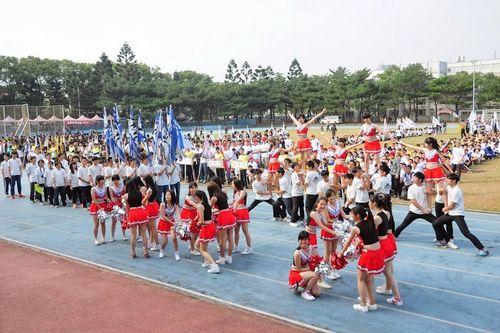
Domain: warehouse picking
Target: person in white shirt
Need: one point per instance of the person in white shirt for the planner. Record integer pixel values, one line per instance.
(4, 166)
(361, 183)
(84, 182)
(49, 184)
(31, 173)
(419, 206)
(350, 193)
(283, 204)
(95, 170)
(74, 184)
(311, 186)
(262, 193)
(144, 169)
(15, 166)
(131, 169)
(108, 172)
(59, 180)
(297, 196)
(162, 179)
(40, 179)
(325, 183)
(381, 181)
(457, 158)
(454, 211)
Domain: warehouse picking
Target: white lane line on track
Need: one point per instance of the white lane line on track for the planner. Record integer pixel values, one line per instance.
(174, 287)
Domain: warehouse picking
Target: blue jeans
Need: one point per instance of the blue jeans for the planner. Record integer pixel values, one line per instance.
(177, 189)
(6, 184)
(13, 180)
(203, 172)
(162, 189)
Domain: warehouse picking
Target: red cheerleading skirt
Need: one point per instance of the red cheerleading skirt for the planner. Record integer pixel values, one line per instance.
(326, 235)
(295, 280)
(242, 215)
(372, 147)
(118, 203)
(187, 215)
(215, 215)
(313, 240)
(137, 216)
(226, 219)
(164, 226)
(153, 210)
(340, 169)
(273, 167)
(392, 239)
(207, 233)
(304, 145)
(371, 261)
(434, 174)
(194, 228)
(93, 209)
(387, 249)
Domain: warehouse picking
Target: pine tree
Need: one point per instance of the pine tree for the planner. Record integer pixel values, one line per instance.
(127, 66)
(295, 71)
(246, 72)
(232, 73)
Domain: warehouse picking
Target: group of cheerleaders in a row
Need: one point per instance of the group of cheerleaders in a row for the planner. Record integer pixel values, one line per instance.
(207, 219)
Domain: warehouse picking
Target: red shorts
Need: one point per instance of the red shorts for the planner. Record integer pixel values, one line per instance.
(153, 210)
(340, 169)
(434, 174)
(93, 209)
(187, 215)
(387, 249)
(372, 147)
(295, 280)
(226, 219)
(273, 167)
(304, 145)
(164, 226)
(242, 215)
(326, 235)
(371, 261)
(137, 216)
(313, 240)
(207, 233)
(392, 239)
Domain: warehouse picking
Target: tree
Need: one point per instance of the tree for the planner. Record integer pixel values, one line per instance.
(232, 72)
(126, 66)
(295, 71)
(437, 90)
(246, 72)
(459, 89)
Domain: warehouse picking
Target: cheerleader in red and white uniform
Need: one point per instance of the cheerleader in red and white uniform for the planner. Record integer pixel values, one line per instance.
(188, 216)
(301, 275)
(116, 191)
(153, 209)
(371, 261)
(335, 213)
(137, 216)
(207, 232)
(372, 143)
(274, 163)
(169, 212)
(100, 201)
(340, 153)
(242, 217)
(304, 145)
(381, 214)
(225, 223)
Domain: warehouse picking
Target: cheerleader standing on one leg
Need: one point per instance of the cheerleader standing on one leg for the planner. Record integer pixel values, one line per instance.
(116, 191)
(300, 275)
(225, 224)
(274, 163)
(137, 216)
(335, 212)
(242, 217)
(207, 232)
(372, 143)
(371, 261)
(381, 214)
(141, 188)
(169, 211)
(99, 196)
(152, 208)
(304, 146)
(188, 216)
(340, 168)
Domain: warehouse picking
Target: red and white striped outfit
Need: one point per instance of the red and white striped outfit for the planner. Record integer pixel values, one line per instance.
(433, 171)
(372, 143)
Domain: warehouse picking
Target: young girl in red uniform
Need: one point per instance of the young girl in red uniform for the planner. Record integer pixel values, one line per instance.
(340, 153)
(207, 232)
(225, 224)
(335, 213)
(169, 212)
(300, 275)
(240, 210)
(152, 208)
(303, 144)
(116, 191)
(381, 215)
(371, 261)
(137, 216)
(372, 143)
(188, 216)
(99, 196)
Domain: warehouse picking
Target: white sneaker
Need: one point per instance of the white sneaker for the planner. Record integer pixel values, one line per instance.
(333, 275)
(274, 219)
(139, 240)
(214, 269)
(161, 255)
(112, 239)
(293, 224)
(360, 308)
(205, 264)
(220, 261)
(393, 300)
(247, 251)
(96, 242)
(195, 252)
(155, 248)
(103, 240)
(177, 256)
(124, 238)
(236, 250)
(382, 291)
(372, 307)
(452, 245)
(285, 219)
(307, 296)
(228, 259)
(218, 248)
(324, 285)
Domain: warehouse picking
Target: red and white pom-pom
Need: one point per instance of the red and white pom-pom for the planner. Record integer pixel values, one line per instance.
(314, 261)
(338, 263)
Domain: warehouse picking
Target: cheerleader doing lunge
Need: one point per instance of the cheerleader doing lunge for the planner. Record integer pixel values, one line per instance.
(188, 216)
(207, 232)
(304, 146)
(137, 216)
(116, 192)
(100, 199)
(152, 208)
(225, 223)
(380, 211)
(371, 261)
(301, 275)
(335, 213)
(371, 141)
(240, 210)
(169, 212)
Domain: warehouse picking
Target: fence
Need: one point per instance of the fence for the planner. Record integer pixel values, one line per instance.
(29, 120)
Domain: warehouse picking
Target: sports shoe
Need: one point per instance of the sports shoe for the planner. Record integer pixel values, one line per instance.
(214, 269)
(220, 261)
(177, 256)
(195, 252)
(205, 264)
(103, 241)
(228, 259)
(124, 238)
(441, 245)
(274, 219)
(293, 224)
(333, 275)
(372, 307)
(246, 251)
(382, 291)
(139, 240)
(96, 242)
(21, 196)
(307, 296)
(360, 308)
(155, 248)
(236, 250)
(161, 255)
(395, 301)
(452, 245)
(483, 253)
(285, 219)
(112, 239)
(324, 285)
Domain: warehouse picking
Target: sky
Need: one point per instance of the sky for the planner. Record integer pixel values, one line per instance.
(204, 35)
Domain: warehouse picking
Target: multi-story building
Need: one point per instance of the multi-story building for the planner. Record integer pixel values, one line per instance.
(478, 66)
